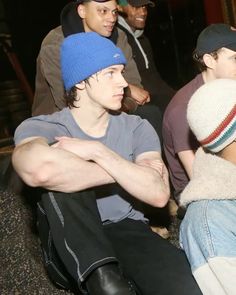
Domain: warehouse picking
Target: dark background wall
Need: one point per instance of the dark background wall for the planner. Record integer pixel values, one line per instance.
(173, 26)
(29, 22)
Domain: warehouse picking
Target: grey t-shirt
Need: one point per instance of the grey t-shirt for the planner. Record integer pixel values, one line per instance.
(127, 135)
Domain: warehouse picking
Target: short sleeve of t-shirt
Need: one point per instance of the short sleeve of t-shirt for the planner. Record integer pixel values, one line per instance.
(176, 131)
(47, 126)
(130, 136)
(182, 137)
(145, 138)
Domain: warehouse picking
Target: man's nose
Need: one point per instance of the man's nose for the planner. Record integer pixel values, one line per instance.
(123, 82)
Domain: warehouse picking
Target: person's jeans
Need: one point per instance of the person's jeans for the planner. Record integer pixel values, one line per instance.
(208, 236)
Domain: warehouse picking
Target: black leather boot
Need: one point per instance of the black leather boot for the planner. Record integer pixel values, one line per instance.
(108, 280)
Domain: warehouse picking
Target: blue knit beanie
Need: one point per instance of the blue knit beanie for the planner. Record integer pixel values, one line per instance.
(85, 54)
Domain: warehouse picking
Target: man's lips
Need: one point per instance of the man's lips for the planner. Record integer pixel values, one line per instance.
(140, 19)
(109, 28)
(119, 95)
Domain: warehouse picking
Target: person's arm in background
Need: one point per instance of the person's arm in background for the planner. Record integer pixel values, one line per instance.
(184, 142)
(49, 89)
(187, 158)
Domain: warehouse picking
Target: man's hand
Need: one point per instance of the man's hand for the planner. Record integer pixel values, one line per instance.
(140, 95)
(156, 164)
(80, 147)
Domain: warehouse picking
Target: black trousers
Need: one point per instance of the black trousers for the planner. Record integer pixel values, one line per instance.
(83, 244)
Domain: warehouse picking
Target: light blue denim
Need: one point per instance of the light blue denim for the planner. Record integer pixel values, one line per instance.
(209, 230)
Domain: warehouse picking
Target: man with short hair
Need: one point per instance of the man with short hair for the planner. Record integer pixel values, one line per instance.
(82, 16)
(102, 161)
(132, 20)
(215, 55)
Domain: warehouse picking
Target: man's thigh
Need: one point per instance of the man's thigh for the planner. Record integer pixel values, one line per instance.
(156, 266)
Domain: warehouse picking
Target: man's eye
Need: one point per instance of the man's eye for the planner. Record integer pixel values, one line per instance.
(110, 74)
(102, 11)
(115, 12)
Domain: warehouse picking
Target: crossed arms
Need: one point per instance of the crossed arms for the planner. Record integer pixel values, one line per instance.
(73, 164)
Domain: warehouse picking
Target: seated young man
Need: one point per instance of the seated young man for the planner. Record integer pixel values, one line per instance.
(102, 162)
(132, 19)
(208, 231)
(215, 55)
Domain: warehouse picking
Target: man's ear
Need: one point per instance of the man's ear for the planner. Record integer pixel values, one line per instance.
(81, 85)
(209, 60)
(81, 11)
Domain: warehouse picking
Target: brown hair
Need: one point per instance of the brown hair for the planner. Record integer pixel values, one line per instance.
(198, 59)
(71, 95)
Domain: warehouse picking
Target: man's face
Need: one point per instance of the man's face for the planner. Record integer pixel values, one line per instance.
(135, 16)
(225, 64)
(99, 17)
(106, 88)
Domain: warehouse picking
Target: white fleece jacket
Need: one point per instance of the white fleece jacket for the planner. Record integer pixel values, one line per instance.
(213, 178)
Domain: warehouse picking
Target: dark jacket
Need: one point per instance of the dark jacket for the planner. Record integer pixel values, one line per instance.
(159, 90)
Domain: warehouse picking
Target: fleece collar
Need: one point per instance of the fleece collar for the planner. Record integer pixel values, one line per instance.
(213, 178)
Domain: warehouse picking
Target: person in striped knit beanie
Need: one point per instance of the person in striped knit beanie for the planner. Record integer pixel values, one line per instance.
(208, 230)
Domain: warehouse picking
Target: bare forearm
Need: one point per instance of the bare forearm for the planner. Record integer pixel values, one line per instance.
(74, 165)
(56, 169)
(187, 158)
(142, 182)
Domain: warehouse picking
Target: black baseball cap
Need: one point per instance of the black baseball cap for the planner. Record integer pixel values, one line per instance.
(215, 37)
(82, 1)
(136, 3)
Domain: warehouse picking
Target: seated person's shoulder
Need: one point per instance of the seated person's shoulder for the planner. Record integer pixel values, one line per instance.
(55, 36)
(132, 119)
(120, 32)
(50, 47)
(178, 104)
(175, 111)
(133, 124)
(121, 37)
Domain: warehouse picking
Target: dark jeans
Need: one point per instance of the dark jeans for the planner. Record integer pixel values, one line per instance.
(83, 244)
